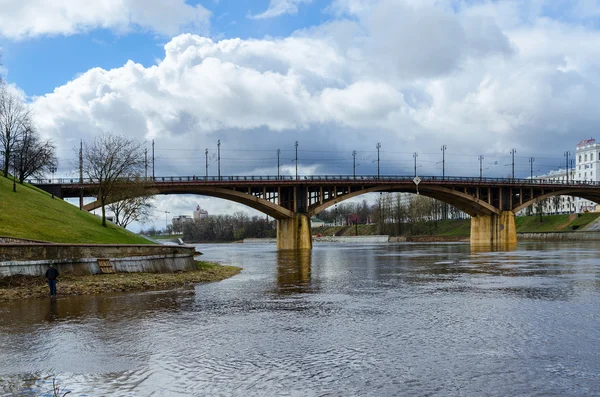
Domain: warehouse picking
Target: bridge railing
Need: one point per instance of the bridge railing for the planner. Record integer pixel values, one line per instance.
(321, 178)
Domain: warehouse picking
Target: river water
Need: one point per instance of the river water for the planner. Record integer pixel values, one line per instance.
(343, 320)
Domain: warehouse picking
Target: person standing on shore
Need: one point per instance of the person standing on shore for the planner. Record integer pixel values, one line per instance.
(51, 275)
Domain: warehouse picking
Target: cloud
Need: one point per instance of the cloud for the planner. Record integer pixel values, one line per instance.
(280, 7)
(25, 19)
(410, 75)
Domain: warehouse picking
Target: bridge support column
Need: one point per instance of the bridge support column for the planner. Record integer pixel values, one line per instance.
(294, 233)
(495, 231)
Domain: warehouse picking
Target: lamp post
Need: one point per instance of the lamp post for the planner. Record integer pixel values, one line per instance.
(415, 155)
(531, 161)
(378, 147)
(480, 168)
(206, 159)
(296, 145)
(512, 152)
(278, 154)
(14, 173)
(354, 163)
(153, 160)
(219, 157)
(567, 165)
(443, 161)
(53, 170)
(166, 224)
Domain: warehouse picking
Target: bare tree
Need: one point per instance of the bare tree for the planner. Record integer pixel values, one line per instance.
(32, 156)
(14, 118)
(111, 161)
(131, 202)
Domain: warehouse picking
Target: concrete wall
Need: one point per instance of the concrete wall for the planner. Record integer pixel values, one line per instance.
(560, 236)
(33, 259)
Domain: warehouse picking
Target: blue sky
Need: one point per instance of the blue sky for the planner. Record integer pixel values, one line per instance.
(40, 64)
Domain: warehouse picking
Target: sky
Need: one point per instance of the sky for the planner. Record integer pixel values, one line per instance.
(478, 76)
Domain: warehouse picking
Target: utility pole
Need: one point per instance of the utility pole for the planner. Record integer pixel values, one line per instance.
(81, 175)
(219, 157)
(415, 155)
(531, 161)
(153, 160)
(480, 167)
(53, 170)
(146, 163)
(278, 154)
(567, 165)
(296, 159)
(512, 152)
(354, 162)
(443, 162)
(378, 147)
(206, 156)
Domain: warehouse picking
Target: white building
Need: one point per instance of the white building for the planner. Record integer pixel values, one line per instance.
(587, 168)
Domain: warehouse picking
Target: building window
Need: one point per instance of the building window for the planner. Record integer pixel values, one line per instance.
(586, 157)
(591, 156)
(580, 158)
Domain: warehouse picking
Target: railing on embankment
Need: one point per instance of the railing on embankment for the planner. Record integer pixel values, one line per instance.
(560, 236)
(33, 258)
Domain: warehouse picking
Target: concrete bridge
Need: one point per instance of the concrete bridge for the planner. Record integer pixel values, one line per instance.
(491, 202)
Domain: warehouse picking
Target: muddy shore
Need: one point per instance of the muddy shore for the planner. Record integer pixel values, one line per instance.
(24, 287)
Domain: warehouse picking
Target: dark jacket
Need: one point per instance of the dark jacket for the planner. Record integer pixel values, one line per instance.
(51, 274)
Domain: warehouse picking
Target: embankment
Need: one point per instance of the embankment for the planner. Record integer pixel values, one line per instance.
(33, 258)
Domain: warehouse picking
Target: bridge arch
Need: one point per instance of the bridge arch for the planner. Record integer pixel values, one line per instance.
(257, 203)
(587, 195)
(461, 201)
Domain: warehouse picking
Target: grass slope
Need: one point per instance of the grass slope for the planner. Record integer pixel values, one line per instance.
(31, 213)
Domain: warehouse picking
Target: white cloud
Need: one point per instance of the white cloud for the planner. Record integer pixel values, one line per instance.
(280, 7)
(412, 75)
(22, 19)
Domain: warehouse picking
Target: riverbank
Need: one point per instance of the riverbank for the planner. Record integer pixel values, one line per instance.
(24, 287)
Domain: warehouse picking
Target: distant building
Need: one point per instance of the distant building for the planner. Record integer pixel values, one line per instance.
(180, 221)
(200, 214)
(316, 222)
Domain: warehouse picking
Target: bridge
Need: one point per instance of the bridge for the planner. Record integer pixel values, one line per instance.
(491, 202)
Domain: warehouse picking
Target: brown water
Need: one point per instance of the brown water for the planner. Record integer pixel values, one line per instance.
(344, 320)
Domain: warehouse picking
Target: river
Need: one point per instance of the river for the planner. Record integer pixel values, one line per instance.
(342, 320)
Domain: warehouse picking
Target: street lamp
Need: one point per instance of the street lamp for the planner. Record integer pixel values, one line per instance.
(443, 161)
(278, 154)
(166, 224)
(480, 167)
(296, 145)
(206, 157)
(354, 163)
(531, 161)
(219, 157)
(53, 170)
(512, 152)
(567, 165)
(415, 155)
(378, 147)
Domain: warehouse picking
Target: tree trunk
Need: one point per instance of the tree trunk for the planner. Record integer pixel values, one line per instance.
(103, 210)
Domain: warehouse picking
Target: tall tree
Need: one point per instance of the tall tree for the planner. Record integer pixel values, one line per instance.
(14, 119)
(112, 160)
(33, 156)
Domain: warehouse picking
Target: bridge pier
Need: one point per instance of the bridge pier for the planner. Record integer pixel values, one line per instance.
(294, 233)
(494, 231)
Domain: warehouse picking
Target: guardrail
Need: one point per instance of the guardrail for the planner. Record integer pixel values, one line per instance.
(336, 178)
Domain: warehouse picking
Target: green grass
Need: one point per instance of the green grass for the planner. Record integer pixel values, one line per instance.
(553, 223)
(31, 213)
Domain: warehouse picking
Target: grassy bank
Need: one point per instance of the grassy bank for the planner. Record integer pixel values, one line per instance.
(31, 213)
(462, 228)
(23, 287)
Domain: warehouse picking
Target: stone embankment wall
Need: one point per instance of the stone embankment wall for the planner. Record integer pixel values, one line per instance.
(336, 239)
(13, 240)
(559, 236)
(33, 258)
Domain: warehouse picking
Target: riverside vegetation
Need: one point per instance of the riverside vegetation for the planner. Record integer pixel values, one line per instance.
(22, 287)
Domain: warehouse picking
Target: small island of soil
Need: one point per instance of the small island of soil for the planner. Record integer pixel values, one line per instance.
(23, 287)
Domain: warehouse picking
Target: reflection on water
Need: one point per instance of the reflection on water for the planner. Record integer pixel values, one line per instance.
(293, 272)
(368, 320)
